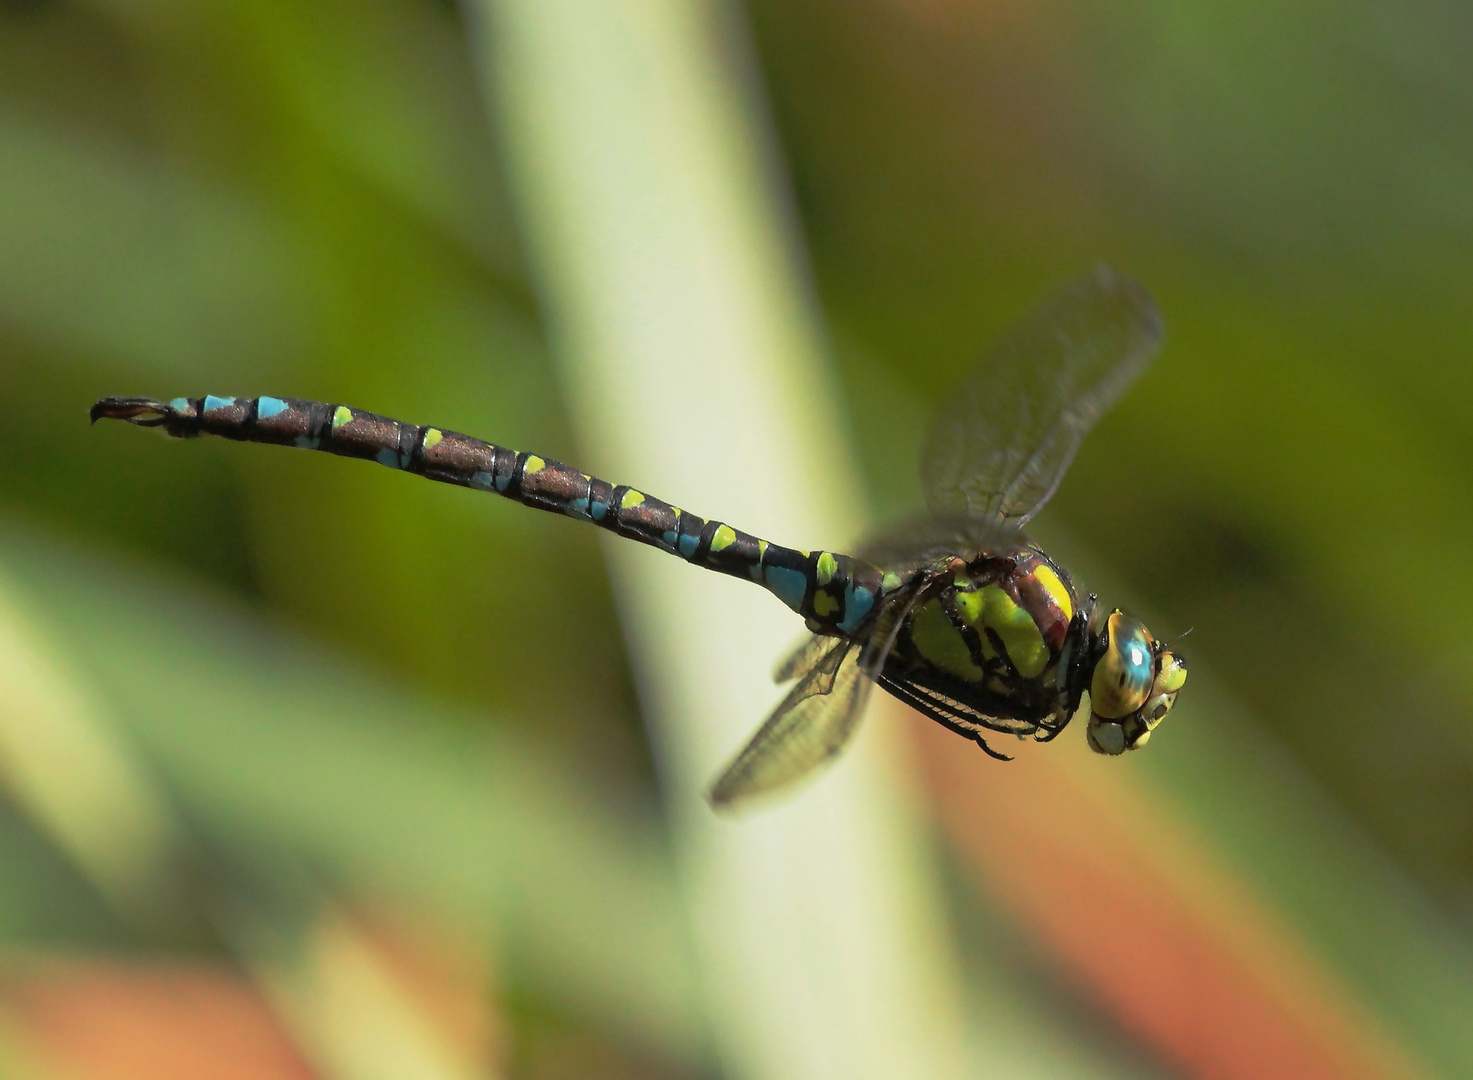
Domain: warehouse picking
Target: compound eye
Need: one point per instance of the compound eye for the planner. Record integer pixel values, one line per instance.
(1169, 680)
(1173, 673)
(1123, 676)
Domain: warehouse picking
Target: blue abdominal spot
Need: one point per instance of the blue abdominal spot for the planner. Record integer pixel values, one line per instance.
(267, 407)
(789, 586)
(858, 601)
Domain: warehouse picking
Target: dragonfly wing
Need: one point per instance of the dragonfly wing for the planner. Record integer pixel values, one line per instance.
(803, 658)
(921, 542)
(1002, 442)
(811, 725)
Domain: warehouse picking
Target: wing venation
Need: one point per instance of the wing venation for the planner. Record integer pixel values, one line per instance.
(1003, 441)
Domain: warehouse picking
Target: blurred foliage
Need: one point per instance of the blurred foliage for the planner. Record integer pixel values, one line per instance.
(311, 683)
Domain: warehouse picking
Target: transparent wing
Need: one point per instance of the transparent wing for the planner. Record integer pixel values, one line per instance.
(811, 725)
(1002, 442)
(921, 542)
(821, 712)
(803, 658)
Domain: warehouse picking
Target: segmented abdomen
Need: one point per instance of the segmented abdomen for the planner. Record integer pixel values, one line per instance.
(835, 593)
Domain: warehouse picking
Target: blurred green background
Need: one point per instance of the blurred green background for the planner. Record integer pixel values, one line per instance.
(314, 770)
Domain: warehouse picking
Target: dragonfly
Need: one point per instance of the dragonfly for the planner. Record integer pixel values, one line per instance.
(956, 613)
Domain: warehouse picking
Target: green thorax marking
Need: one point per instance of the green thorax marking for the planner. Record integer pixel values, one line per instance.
(939, 642)
(991, 608)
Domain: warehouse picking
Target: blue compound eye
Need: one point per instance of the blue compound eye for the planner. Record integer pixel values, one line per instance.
(1123, 675)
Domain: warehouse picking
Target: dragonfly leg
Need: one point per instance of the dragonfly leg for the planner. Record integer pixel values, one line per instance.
(1052, 731)
(980, 741)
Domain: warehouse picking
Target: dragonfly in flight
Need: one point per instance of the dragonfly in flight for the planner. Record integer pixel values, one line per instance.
(957, 613)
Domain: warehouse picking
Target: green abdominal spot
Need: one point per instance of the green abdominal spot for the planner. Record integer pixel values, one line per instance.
(938, 640)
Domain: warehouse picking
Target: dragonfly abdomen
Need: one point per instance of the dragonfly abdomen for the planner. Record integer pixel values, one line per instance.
(835, 593)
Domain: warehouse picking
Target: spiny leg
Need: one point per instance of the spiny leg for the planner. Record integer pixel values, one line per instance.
(977, 738)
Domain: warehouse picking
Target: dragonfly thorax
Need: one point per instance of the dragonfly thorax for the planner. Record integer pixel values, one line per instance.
(1006, 643)
(1000, 642)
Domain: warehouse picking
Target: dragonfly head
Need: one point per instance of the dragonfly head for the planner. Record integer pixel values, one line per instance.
(1133, 686)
